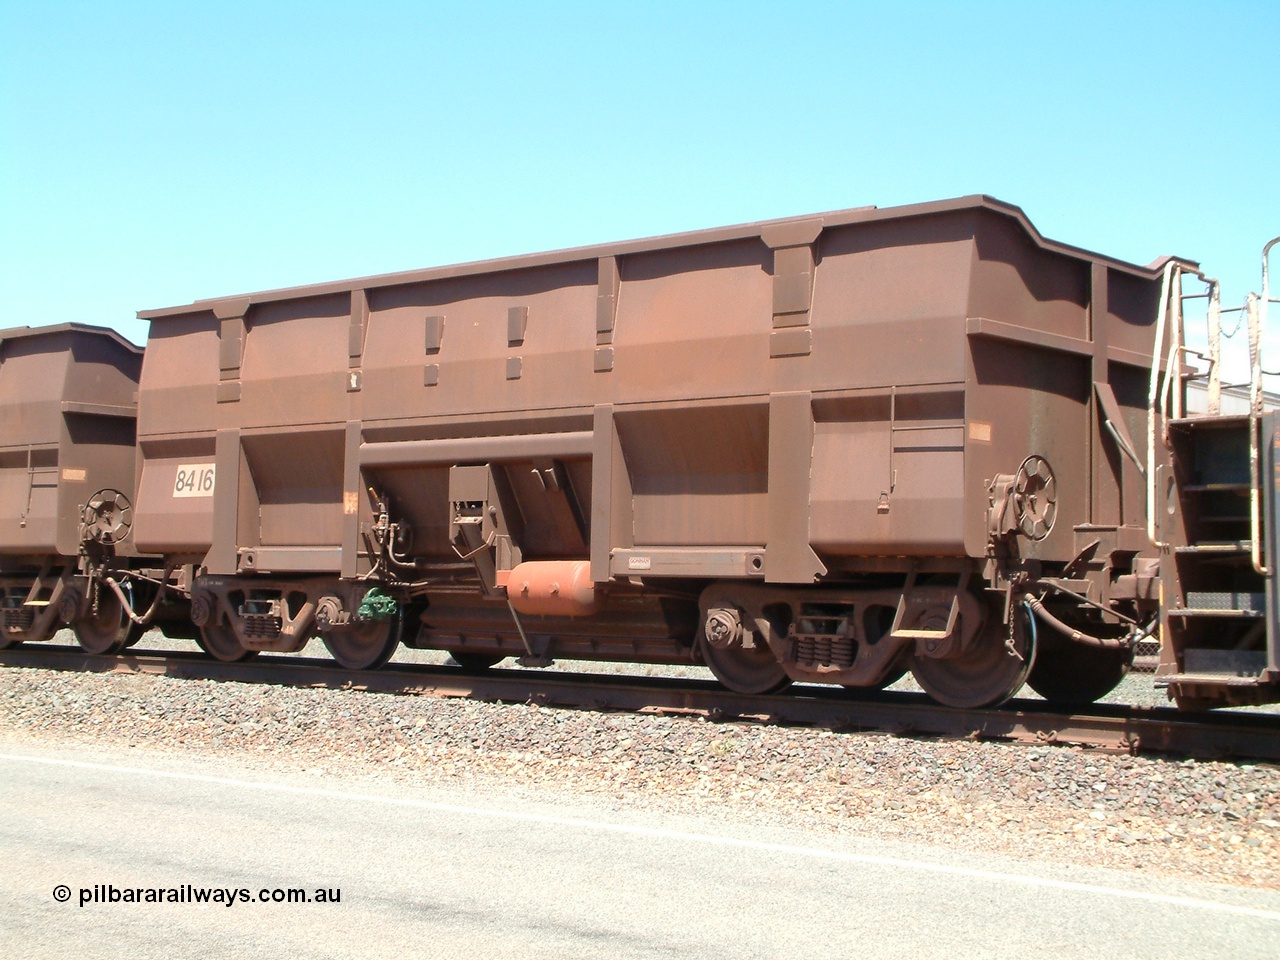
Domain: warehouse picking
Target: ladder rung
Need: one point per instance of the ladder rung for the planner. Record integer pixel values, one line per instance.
(1220, 546)
(1218, 422)
(1227, 599)
(1218, 679)
(1214, 612)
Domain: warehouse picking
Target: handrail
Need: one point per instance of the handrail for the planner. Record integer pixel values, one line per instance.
(1172, 274)
(1215, 349)
(1266, 279)
(1165, 400)
(1173, 363)
(1257, 314)
(1255, 416)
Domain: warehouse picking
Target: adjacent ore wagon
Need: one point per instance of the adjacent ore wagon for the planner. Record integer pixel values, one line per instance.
(68, 397)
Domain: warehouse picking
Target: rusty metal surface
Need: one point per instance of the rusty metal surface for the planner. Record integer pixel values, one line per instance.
(874, 437)
(815, 401)
(898, 357)
(67, 411)
(1110, 727)
(780, 233)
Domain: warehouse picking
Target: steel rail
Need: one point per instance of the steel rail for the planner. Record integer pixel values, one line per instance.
(1129, 729)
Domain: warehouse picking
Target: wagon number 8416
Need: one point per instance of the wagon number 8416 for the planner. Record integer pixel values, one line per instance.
(194, 480)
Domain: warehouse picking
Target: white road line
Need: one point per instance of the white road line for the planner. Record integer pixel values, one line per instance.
(677, 835)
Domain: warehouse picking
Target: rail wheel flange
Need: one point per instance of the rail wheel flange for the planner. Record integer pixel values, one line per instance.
(988, 671)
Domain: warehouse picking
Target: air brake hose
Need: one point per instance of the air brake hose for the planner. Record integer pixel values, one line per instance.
(128, 606)
(1075, 636)
(1031, 625)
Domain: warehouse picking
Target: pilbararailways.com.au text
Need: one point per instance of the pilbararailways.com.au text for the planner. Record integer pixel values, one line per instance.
(106, 893)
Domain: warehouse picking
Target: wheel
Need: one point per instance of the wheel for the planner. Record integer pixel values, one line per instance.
(901, 663)
(141, 597)
(750, 670)
(985, 675)
(743, 669)
(1074, 674)
(220, 643)
(476, 662)
(179, 630)
(25, 635)
(363, 646)
(894, 675)
(1195, 704)
(136, 632)
(9, 642)
(105, 630)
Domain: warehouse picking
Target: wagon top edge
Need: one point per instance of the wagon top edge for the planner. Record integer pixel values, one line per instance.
(780, 232)
(19, 333)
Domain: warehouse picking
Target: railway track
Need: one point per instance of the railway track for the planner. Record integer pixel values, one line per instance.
(1111, 727)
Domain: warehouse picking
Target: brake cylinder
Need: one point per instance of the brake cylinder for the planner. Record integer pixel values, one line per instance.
(552, 588)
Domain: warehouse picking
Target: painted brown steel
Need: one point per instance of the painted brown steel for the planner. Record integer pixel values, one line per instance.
(855, 215)
(475, 449)
(67, 410)
(808, 402)
(831, 417)
(295, 368)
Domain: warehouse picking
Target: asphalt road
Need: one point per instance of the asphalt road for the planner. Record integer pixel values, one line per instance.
(451, 875)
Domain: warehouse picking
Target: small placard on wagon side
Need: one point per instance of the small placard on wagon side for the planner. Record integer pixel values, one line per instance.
(194, 480)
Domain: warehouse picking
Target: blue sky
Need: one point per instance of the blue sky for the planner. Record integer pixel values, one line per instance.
(156, 153)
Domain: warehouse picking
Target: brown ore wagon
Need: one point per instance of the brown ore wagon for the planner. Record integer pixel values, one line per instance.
(68, 402)
(827, 449)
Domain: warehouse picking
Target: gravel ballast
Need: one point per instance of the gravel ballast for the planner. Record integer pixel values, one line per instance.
(1205, 820)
